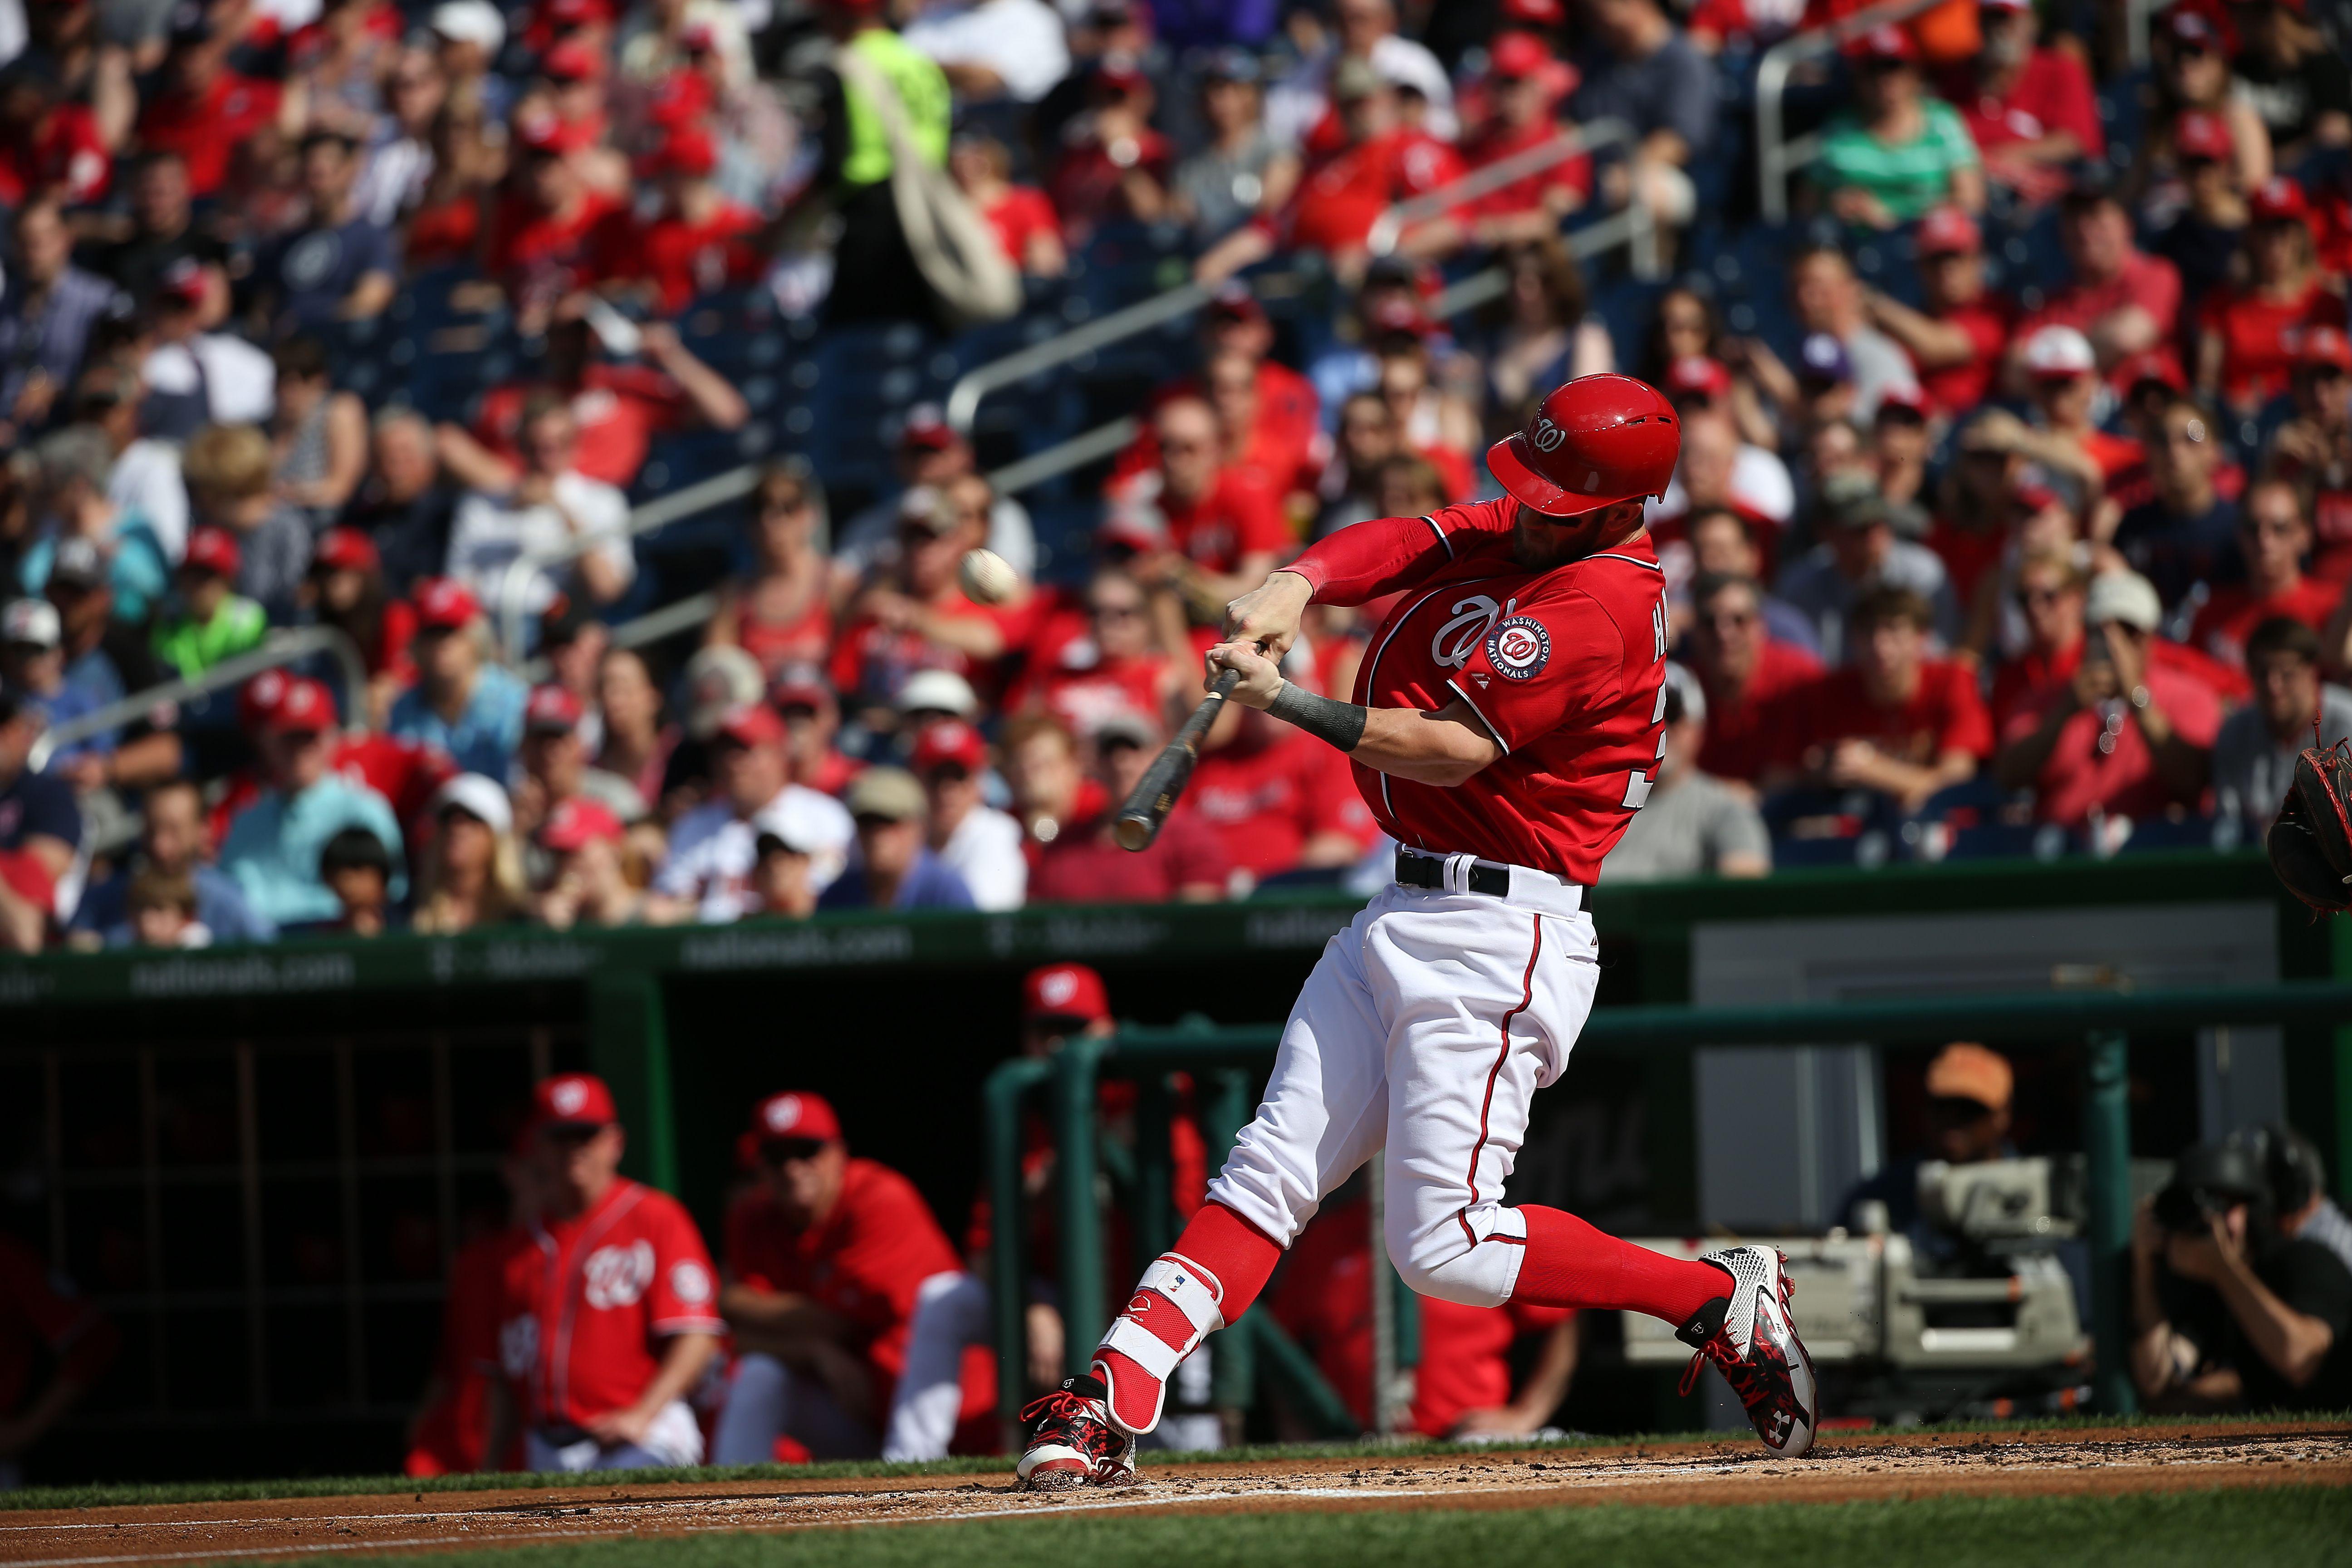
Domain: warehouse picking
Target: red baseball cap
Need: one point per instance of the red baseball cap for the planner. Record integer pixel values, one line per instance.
(1065, 991)
(260, 698)
(1400, 315)
(1534, 13)
(1885, 42)
(213, 549)
(1516, 55)
(801, 685)
(2199, 133)
(681, 99)
(552, 709)
(796, 1113)
(752, 724)
(2191, 27)
(1697, 374)
(2278, 200)
(2325, 346)
(346, 550)
(444, 605)
(927, 429)
(573, 59)
(184, 280)
(304, 706)
(539, 132)
(571, 1099)
(1234, 300)
(1909, 399)
(950, 740)
(1947, 231)
(578, 822)
(2151, 364)
(2033, 499)
(688, 149)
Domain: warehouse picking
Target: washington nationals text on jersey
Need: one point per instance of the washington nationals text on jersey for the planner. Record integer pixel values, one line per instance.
(591, 1300)
(1565, 665)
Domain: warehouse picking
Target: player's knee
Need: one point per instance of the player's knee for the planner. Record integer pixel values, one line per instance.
(1447, 1267)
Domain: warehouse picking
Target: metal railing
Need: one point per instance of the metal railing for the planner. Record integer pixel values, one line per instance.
(1226, 1061)
(287, 646)
(1777, 156)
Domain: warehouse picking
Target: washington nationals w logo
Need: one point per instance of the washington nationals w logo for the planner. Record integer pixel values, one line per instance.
(1457, 638)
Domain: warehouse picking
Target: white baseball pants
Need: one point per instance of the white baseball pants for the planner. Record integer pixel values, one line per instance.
(1426, 1029)
(766, 1399)
(674, 1442)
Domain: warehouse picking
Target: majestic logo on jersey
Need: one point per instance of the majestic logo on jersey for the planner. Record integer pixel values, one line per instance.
(1459, 638)
(1520, 649)
(617, 1276)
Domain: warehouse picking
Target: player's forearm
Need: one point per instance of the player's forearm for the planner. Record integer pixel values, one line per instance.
(1381, 556)
(683, 1362)
(2294, 1343)
(1445, 748)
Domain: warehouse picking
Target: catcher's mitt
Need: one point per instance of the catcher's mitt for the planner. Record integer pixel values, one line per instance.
(2311, 842)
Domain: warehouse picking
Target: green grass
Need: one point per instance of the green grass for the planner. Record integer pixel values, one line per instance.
(137, 1493)
(2287, 1527)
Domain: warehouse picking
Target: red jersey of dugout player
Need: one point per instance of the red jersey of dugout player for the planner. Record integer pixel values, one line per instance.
(609, 1317)
(40, 1319)
(1511, 703)
(826, 1256)
(447, 1435)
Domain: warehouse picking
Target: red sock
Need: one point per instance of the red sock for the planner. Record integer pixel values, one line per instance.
(1236, 1252)
(1218, 1244)
(1570, 1264)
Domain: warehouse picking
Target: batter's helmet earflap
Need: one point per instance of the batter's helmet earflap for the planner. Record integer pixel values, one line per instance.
(1596, 441)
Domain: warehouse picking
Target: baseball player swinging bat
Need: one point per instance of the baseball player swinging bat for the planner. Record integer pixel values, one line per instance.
(1163, 785)
(1506, 722)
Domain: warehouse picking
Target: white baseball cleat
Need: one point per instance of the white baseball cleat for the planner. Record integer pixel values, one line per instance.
(1751, 1339)
(1072, 1443)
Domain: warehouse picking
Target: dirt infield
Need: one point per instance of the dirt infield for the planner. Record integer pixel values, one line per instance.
(1864, 1467)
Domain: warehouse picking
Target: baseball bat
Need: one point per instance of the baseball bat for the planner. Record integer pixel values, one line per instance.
(1162, 783)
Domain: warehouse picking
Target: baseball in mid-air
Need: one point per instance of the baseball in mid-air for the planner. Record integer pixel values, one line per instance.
(986, 576)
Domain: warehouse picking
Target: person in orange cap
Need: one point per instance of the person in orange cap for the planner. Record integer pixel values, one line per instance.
(1968, 1090)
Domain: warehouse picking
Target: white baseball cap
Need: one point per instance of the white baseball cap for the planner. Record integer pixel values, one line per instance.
(33, 621)
(939, 691)
(2125, 596)
(471, 22)
(1694, 696)
(2058, 351)
(479, 797)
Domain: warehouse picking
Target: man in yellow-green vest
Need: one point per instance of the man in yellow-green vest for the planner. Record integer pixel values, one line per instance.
(875, 277)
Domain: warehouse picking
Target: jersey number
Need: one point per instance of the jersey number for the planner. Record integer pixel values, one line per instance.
(1637, 783)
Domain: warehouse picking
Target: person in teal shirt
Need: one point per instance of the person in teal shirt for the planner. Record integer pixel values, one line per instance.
(1898, 151)
(273, 845)
(76, 464)
(462, 703)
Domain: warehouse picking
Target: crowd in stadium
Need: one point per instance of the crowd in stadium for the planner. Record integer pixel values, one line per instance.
(2018, 513)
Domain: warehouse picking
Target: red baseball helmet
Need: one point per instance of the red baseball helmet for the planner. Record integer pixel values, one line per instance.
(1599, 440)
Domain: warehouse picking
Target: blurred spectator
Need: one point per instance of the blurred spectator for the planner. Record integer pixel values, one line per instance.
(162, 906)
(40, 834)
(1301, 107)
(2191, 75)
(716, 682)
(912, 614)
(1208, 528)
(145, 479)
(992, 49)
(812, 715)
(1691, 825)
(108, 657)
(45, 316)
(588, 880)
(202, 110)
(206, 621)
(1543, 331)
(1720, 543)
(556, 528)
(1240, 171)
(1894, 720)
(357, 867)
(2203, 242)
(1637, 67)
(1523, 85)
(2273, 539)
(1111, 164)
(174, 839)
(1970, 1090)
(1276, 802)
(1901, 446)
(782, 882)
(893, 867)
(2030, 110)
(340, 264)
(979, 843)
(396, 155)
(555, 766)
(228, 469)
(319, 435)
(2050, 589)
(1073, 857)
(194, 376)
(714, 848)
(1859, 552)
(1113, 662)
(469, 35)
(2123, 300)
(470, 874)
(1367, 440)
(470, 165)
(1899, 152)
(931, 454)
(2300, 87)
(162, 233)
(1717, 470)
(77, 495)
(2255, 749)
(2186, 534)
(1745, 675)
(462, 704)
(2313, 449)
(779, 611)
(272, 848)
(53, 1331)
(1955, 336)
(33, 670)
(1022, 219)
(1828, 299)
(2248, 335)
(402, 503)
(634, 744)
(347, 591)
(550, 224)
(701, 240)
(2128, 735)
(51, 143)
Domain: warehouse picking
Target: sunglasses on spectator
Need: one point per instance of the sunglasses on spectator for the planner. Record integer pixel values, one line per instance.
(1720, 620)
(1117, 612)
(776, 1152)
(2032, 596)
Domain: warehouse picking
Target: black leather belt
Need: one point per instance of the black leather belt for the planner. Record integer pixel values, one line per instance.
(1425, 871)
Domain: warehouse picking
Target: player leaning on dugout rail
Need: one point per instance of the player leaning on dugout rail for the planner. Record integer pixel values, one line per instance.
(1505, 726)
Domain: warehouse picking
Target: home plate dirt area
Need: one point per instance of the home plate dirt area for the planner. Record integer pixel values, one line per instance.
(1862, 1466)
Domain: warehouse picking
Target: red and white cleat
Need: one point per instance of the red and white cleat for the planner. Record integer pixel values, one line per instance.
(1072, 1443)
(1751, 1339)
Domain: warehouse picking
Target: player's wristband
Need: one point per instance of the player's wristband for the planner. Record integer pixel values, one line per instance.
(1341, 724)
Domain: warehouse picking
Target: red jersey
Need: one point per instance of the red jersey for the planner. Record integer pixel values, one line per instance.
(1572, 177)
(1343, 194)
(1944, 714)
(41, 1321)
(1957, 389)
(2261, 339)
(1018, 217)
(865, 1259)
(2123, 780)
(407, 774)
(1564, 667)
(2052, 94)
(1968, 554)
(1083, 865)
(451, 1435)
(590, 1299)
(533, 251)
(683, 259)
(1742, 736)
(1089, 186)
(619, 408)
(2024, 678)
(205, 128)
(62, 154)
(2230, 616)
(1237, 517)
(1266, 801)
(2148, 281)
(872, 661)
